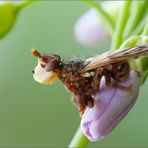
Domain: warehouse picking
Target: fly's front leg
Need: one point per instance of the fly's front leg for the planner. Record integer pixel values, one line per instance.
(81, 104)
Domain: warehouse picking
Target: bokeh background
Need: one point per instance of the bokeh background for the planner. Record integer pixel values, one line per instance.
(35, 115)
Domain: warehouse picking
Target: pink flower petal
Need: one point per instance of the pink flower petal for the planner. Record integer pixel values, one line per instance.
(111, 106)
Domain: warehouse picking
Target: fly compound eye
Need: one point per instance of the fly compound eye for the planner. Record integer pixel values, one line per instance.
(52, 65)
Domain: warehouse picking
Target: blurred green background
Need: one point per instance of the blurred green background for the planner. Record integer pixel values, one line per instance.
(35, 115)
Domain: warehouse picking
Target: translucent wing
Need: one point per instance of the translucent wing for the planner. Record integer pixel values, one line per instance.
(116, 56)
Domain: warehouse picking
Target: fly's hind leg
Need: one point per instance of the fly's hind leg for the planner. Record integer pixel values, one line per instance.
(128, 89)
(116, 86)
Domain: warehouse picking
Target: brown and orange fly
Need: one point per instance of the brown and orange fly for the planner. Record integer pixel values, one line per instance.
(82, 76)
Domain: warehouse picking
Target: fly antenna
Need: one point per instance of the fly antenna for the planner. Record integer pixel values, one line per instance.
(36, 53)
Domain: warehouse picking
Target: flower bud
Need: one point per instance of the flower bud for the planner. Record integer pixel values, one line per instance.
(111, 106)
(90, 28)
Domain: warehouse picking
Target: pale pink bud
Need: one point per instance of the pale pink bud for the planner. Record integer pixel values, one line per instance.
(111, 106)
(90, 29)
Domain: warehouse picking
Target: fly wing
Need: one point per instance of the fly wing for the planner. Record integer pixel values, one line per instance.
(119, 55)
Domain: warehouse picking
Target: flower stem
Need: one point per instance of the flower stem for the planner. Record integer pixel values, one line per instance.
(123, 17)
(138, 30)
(137, 12)
(79, 140)
(145, 31)
(107, 18)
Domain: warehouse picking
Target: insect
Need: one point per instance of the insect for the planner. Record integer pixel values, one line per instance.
(82, 76)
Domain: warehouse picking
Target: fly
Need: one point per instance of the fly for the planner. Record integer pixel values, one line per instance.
(82, 77)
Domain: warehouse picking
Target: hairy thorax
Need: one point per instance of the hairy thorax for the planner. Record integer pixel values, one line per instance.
(71, 76)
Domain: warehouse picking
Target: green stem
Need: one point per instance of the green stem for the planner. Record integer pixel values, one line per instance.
(79, 140)
(140, 27)
(145, 31)
(107, 18)
(144, 60)
(123, 17)
(137, 12)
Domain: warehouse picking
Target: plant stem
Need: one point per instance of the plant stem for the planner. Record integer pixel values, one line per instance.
(79, 140)
(137, 12)
(123, 17)
(107, 18)
(138, 30)
(145, 31)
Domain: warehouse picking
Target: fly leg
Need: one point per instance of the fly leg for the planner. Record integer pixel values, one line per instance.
(97, 77)
(81, 104)
(89, 101)
(115, 86)
(84, 101)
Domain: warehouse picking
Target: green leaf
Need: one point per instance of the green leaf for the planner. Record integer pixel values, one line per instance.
(7, 18)
(144, 63)
(8, 15)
